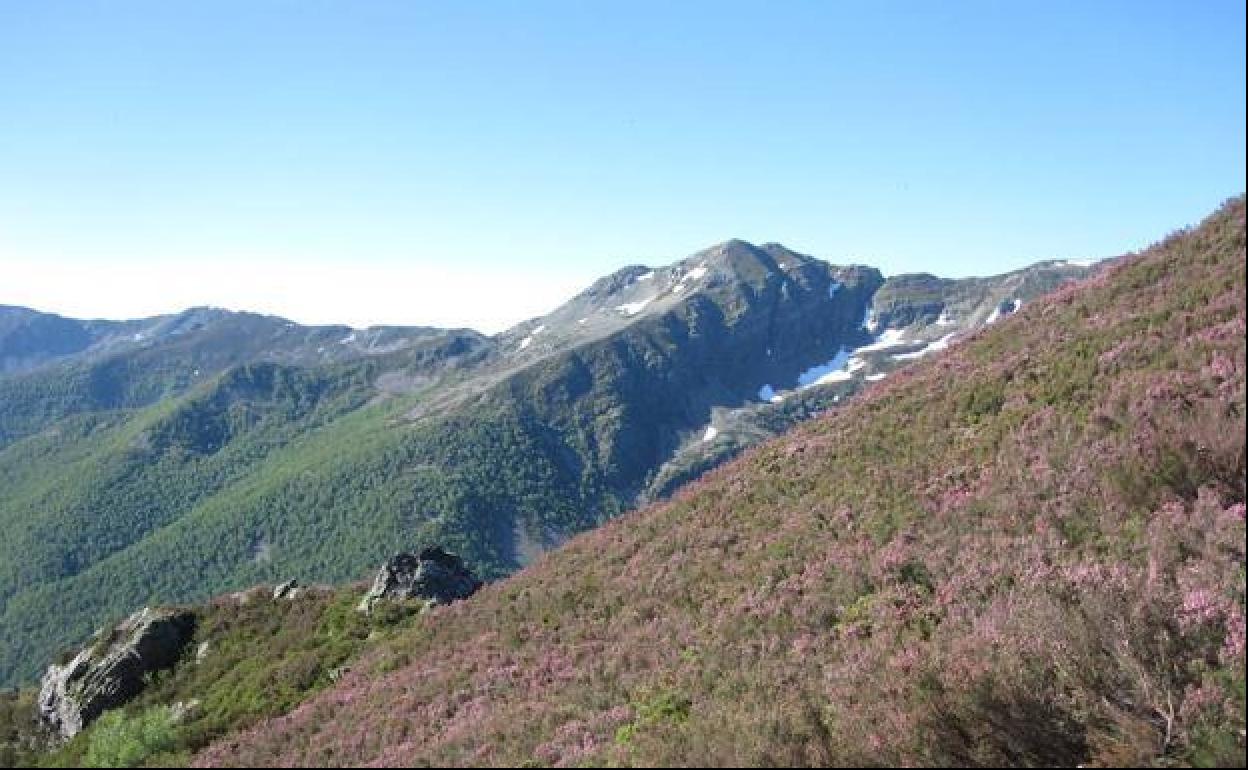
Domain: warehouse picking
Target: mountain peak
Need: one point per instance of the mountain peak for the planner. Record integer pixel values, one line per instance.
(733, 273)
(729, 248)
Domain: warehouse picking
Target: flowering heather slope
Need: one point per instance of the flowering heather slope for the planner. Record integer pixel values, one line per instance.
(1028, 550)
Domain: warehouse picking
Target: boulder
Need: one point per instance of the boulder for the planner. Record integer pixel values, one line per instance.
(287, 590)
(184, 711)
(111, 670)
(432, 575)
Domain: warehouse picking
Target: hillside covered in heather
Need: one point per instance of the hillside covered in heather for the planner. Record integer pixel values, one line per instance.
(1026, 550)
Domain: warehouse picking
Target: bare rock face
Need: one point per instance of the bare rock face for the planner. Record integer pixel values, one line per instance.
(434, 575)
(287, 590)
(109, 672)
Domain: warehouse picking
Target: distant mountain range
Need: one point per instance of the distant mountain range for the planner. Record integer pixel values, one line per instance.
(173, 458)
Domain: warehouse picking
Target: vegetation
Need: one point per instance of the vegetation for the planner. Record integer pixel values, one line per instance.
(22, 737)
(122, 740)
(1028, 550)
(252, 657)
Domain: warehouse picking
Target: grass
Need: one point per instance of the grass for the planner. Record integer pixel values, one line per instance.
(252, 657)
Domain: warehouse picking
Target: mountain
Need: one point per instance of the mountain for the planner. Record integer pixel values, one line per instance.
(909, 317)
(173, 458)
(1027, 548)
(29, 338)
(59, 367)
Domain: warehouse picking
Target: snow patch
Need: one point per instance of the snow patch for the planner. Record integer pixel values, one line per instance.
(693, 275)
(817, 375)
(939, 344)
(1077, 263)
(846, 363)
(711, 433)
(583, 320)
(646, 277)
(633, 308)
(876, 377)
(945, 319)
(840, 375)
(347, 340)
(889, 338)
(996, 311)
(524, 343)
(539, 330)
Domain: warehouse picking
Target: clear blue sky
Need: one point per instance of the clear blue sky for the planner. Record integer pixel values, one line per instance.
(474, 162)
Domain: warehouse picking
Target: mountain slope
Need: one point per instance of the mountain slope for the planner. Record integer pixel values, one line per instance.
(193, 454)
(910, 316)
(104, 365)
(1028, 549)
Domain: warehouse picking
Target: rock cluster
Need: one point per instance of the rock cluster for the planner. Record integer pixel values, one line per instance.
(287, 590)
(111, 670)
(433, 575)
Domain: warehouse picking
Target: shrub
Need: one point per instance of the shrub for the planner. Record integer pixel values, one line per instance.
(120, 739)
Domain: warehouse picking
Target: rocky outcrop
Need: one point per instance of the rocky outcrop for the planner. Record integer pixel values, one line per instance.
(111, 670)
(287, 590)
(433, 575)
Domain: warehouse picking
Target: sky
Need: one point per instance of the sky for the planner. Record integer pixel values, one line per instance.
(474, 164)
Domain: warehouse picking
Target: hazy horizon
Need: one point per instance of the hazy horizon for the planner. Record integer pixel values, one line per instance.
(274, 279)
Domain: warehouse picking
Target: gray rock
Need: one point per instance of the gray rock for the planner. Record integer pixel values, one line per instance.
(339, 672)
(287, 590)
(110, 671)
(433, 575)
(183, 711)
